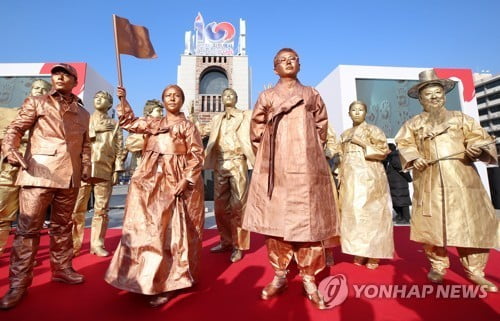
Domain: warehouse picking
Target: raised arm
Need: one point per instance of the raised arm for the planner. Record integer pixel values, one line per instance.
(126, 117)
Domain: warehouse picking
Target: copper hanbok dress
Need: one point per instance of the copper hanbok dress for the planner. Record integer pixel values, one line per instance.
(365, 201)
(290, 194)
(160, 247)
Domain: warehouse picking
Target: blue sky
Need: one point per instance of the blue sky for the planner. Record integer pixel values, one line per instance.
(459, 34)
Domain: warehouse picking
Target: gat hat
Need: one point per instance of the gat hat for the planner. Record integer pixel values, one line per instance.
(67, 67)
(428, 77)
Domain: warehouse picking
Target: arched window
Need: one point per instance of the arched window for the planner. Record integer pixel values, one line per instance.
(212, 83)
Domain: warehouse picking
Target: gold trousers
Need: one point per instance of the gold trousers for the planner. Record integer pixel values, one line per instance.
(102, 195)
(33, 203)
(9, 203)
(230, 196)
(473, 259)
(9, 206)
(310, 256)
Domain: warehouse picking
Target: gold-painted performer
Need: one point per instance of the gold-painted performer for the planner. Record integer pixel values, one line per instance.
(135, 142)
(450, 205)
(9, 192)
(290, 196)
(160, 248)
(365, 200)
(57, 159)
(106, 141)
(229, 152)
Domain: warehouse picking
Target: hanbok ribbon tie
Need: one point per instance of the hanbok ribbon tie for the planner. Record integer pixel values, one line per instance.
(272, 124)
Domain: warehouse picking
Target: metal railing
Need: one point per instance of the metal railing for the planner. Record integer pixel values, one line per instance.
(211, 103)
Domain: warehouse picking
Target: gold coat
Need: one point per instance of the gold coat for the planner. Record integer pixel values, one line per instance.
(134, 144)
(9, 192)
(450, 205)
(229, 152)
(242, 133)
(365, 200)
(301, 207)
(107, 147)
(160, 247)
(59, 145)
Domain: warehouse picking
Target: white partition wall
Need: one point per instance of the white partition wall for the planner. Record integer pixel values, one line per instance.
(384, 90)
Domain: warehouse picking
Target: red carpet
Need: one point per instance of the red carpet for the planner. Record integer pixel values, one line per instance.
(231, 291)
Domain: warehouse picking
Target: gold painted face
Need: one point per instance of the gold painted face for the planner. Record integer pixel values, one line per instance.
(39, 88)
(172, 100)
(357, 112)
(157, 112)
(287, 65)
(63, 82)
(432, 98)
(229, 98)
(101, 102)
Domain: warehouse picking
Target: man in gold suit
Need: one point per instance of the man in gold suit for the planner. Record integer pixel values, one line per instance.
(135, 142)
(450, 205)
(229, 153)
(106, 141)
(9, 192)
(290, 199)
(57, 159)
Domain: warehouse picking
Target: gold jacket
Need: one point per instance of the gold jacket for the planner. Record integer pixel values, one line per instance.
(365, 200)
(59, 145)
(450, 205)
(242, 132)
(107, 147)
(8, 173)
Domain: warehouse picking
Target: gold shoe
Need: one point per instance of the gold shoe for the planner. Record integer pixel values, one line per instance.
(99, 251)
(219, 248)
(359, 260)
(316, 300)
(277, 286)
(160, 299)
(236, 255)
(481, 281)
(311, 292)
(435, 276)
(68, 276)
(372, 264)
(12, 298)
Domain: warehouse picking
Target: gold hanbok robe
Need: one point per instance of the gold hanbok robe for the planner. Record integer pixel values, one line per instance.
(365, 201)
(450, 205)
(160, 247)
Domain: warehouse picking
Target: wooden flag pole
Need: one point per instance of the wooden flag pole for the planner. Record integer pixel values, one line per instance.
(119, 68)
(118, 61)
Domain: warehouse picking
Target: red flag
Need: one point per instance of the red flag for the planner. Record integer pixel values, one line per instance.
(133, 40)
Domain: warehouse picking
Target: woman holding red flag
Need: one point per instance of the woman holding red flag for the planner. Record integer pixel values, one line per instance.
(160, 248)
